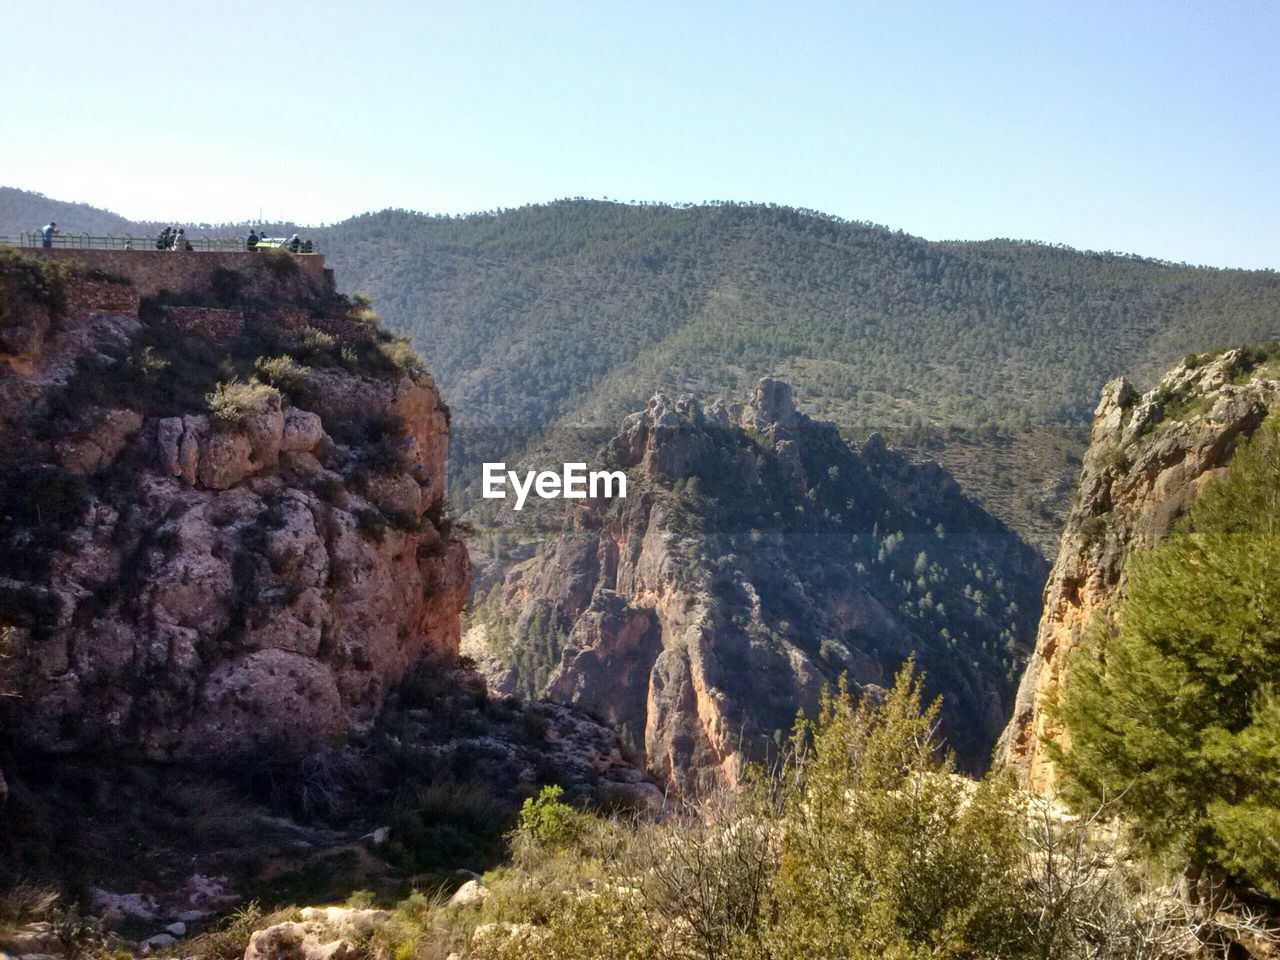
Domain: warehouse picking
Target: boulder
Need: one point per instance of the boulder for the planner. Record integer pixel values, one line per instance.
(303, 430)
(161, 941)
(169, 432)
(224, 459)
(396, 495)
(296, 941)
(100, 442)
(470, 894)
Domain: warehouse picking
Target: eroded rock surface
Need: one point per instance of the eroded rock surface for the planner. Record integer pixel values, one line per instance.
(1148, 457)
(175, 585)
(757, 557)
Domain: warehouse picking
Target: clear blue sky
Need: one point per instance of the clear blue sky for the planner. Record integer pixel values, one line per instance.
(1147, 127)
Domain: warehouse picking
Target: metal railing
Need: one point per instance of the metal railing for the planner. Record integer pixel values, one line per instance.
(84, 241)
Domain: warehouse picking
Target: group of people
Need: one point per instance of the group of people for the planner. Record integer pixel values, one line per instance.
(171, 239)
(294, 244)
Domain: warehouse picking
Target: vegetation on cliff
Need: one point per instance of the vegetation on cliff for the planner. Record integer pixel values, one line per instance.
(862, 842)
(767, 553)
(1172, 709)
(572, 313)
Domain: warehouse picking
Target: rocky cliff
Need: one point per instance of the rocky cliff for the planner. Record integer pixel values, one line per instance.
(222, 507)
(756, 557)
(1148, 457)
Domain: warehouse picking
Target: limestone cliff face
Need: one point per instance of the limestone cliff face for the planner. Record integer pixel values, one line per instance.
(178, 582)
(1148, 457)
(756, 557)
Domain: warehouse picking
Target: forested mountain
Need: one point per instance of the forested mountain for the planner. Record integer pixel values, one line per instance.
(756, 556)
(987, 355)
(24, 212)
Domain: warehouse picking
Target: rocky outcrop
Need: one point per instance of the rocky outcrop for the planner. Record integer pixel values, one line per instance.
(179, 583)
(757, 557)
(321, 933)
(1148, 457)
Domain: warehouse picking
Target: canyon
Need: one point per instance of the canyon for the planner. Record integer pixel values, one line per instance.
(757, 558)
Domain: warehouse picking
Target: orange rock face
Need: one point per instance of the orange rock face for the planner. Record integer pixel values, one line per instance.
(198, 588)
(1148, 457)
(750, 564)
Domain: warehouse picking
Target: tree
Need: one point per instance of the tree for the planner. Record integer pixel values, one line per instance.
(885, 851)
(1172, 709)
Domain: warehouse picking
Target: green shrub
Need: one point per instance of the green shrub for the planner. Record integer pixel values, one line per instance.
(885, 851)
(27, 278)
(400, 355)
(238, 402)
(1172, 711)
(316, 347)
(282, 372)
(281, 264)
(447, 824)
(546, 820)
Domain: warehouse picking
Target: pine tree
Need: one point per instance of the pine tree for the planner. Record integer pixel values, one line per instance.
(1172, 710)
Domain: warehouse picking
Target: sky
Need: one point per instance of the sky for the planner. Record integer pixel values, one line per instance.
(1121, 125)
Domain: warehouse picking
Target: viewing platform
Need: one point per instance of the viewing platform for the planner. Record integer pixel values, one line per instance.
(86, 241)
(184, 271)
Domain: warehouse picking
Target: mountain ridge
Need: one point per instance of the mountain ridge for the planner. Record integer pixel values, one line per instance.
(550, 318)
(757, 557)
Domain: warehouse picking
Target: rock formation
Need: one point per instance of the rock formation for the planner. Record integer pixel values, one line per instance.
(183, 579)
(757, 557)
(1148, 457)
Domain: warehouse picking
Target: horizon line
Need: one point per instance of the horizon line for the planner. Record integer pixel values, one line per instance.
(671, 204)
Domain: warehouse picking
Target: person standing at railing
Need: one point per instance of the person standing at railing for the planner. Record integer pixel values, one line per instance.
(180, 240)
(252, 242)
(47, 233)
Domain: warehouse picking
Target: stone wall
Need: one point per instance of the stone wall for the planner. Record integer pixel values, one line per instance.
(86, 296)
(212, 323)
(153, 271)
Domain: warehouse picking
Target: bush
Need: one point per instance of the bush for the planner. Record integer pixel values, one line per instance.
(238, 402)
(32, 280)
(400, 355)
(884, 849)
(1172, 710)
(446, 825)
(230, 938)
(280, 264)
(283, 373)
(316, 347)
(546, 820)
(226, 285)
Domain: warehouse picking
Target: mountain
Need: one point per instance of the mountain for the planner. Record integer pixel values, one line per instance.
(562, 317)
(1149, 456)
(756, 557)
(229, 582)
(985, 355)
(22, 211)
